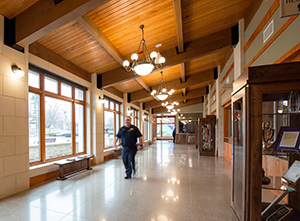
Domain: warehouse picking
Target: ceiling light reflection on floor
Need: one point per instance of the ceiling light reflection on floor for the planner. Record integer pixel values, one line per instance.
(173, 181)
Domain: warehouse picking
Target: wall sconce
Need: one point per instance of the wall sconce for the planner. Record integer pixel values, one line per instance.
(101, 100)
(17, 71)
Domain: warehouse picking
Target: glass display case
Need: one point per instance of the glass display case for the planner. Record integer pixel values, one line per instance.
(265, 99)
(207, 136)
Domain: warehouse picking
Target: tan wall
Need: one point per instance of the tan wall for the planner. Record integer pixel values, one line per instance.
(14, 146)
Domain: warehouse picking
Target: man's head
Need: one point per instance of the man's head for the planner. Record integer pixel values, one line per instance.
(127, 121)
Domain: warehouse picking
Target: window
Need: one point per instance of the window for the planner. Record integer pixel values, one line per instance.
(111, 121)
(165, 126)
(56, 117)
(135, 117)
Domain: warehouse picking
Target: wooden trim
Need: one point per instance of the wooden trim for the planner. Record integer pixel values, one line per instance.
(84, 124)
(228, 140)
(44, 17)
(226, 103)
(287, 23)
(262, 24)
(92, 28)
(41, 178)
(178, 24)
(109, 157)
(55, 59)
(213, 112)
(213, 103)
(213, 94)
(288, 54)
(255, 4)
(228, 72)
(42, 120)
(73, 123)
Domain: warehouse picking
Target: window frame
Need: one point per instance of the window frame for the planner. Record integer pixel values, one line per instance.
(161, 125)
(227, 121)
(42, 136)
(115, 116)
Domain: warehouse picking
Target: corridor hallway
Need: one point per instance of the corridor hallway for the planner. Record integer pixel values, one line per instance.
(172, 183)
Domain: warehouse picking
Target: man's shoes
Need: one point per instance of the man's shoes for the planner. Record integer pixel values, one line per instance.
(134, 171)
(127, 177)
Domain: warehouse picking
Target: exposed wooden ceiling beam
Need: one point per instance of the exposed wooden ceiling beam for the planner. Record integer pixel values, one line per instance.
(182, 72)
(203, 78)
(143, 84)
(188, 103)
(178, 24)
(44, 53)
(200, 47)
(178, 97)
(44, 17)
(92, 28)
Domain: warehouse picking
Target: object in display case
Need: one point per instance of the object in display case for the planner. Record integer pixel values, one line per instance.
(265, 180)
(267, 133)
(280, 214)
(207, 133)
(292, 176)
(294, 102)
(288, 140)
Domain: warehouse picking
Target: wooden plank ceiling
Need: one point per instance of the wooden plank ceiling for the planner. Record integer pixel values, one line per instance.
(95, 36)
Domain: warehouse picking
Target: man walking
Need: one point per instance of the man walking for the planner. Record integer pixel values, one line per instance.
(128, 135)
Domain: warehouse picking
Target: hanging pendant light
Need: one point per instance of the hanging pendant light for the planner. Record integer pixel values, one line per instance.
(169, 104)
(162, 93)
(147, 63)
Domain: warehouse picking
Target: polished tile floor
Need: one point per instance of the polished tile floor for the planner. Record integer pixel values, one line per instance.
(172, 183)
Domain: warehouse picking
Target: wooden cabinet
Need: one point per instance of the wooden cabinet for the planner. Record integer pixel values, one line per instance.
(261, 94)
(207, 136)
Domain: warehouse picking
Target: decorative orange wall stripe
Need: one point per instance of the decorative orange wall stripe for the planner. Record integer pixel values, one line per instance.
(213, 93)
(288, 22)
(228, 72)
(212, 103)
(262, 24)
(289, 53)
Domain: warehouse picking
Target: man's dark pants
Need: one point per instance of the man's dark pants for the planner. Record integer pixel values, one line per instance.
(128, 155)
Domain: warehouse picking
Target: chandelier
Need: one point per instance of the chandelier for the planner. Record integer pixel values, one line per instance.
(147, 63)
(169, 104)
(173, 111)
(162, 93)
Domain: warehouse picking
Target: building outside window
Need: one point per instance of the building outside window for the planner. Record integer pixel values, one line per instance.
(112, 119)
(56, 117)
(165, 126)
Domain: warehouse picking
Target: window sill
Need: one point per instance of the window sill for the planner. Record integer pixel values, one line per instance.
(40, 169)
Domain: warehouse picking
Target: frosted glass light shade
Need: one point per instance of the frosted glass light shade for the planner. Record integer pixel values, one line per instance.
(126, 63)
(170, 106)
(143, 69)
(161, 60)
(153, 54)
(134, 57)
(162, 96)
